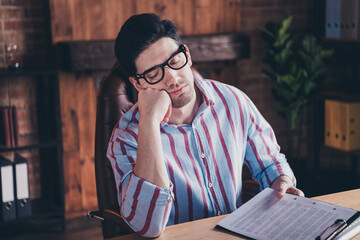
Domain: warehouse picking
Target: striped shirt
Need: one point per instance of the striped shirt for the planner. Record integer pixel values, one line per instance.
(204, 161)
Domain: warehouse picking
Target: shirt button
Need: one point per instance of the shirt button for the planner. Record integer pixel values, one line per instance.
(202, 155)
(210, 184)
(218, 213)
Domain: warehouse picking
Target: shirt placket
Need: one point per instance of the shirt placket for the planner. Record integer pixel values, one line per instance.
(205, 156)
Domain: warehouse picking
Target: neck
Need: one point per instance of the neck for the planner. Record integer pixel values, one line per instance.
(186, 114)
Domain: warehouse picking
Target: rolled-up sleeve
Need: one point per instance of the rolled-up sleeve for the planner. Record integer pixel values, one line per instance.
(143, 205)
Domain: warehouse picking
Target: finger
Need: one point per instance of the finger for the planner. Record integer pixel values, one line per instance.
(281, 190)
(295, 191)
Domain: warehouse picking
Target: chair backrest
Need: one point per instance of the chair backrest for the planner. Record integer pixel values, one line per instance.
(115, 97)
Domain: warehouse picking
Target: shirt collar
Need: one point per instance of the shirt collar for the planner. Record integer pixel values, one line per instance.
(204, 89)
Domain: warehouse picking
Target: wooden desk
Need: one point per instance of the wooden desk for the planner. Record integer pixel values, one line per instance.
(205, 228)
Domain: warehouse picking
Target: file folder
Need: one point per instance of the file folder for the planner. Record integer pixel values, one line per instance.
(22, 193)
(333, 18)
(7, 209)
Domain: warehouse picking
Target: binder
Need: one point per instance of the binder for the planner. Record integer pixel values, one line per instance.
(353, 18)
(333, 16)
(344, 18)
(22, 193)
(349, 19)
(7, 209)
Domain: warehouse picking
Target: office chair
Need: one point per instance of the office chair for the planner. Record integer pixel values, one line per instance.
(115, 97)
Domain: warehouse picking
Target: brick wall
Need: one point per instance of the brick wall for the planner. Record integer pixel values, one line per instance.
(23, 22)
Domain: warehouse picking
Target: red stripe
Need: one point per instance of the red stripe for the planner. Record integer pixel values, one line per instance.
(132, 133)
(273, 139)
(224, 145)
(133, 117)
(123, 150)
(267, 146)
(258, 159)
(208, 173)
(215, 166)
(272, 157)
(135, 197)
(115, 162)
(172, 178)
(133, 120)
(207, 101)
(227, 110)
(240, 109)
(172, 144)
(116, 126)
(150, 212)
(206, 210)
(165, 213)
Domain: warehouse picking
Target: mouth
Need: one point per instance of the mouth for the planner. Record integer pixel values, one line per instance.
(178, 91)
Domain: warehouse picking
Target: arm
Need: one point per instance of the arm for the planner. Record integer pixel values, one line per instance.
(154, 107)
(144, 192)
(263, 156)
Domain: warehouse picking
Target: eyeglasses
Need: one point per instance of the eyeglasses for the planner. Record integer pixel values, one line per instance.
(176, 61)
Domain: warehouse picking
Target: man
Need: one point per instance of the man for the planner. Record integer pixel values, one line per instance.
(178, 153)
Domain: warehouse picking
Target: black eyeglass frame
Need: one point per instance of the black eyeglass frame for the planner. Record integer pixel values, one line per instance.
(162, 66)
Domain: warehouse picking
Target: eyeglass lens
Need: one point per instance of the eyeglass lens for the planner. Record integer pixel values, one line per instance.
(176, 62)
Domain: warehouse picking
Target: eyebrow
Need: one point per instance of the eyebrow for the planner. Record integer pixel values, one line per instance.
(155, 66)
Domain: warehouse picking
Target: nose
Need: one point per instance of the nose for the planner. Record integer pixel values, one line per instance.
(171, 76)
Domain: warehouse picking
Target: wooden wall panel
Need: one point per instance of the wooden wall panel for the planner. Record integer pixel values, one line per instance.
(71, 145)
(61, 20)
(78, 106)
(73, 20)
(78, 10)
(86, 108)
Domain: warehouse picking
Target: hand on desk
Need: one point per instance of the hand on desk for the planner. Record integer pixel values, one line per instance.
(283, 184)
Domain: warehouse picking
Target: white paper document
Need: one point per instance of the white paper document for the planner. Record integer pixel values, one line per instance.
(292, 217)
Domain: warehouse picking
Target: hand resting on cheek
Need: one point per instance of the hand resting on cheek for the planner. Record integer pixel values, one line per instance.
(154, 105)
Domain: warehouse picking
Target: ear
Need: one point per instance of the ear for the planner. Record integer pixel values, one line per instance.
(135, 83)
(188, 55)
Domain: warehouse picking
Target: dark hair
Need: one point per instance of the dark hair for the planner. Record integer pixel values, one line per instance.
(137, 33)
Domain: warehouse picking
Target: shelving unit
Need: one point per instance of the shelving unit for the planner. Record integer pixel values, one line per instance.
(51, 204)
(344, 85)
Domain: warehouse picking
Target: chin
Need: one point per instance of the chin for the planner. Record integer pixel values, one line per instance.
(182, 101)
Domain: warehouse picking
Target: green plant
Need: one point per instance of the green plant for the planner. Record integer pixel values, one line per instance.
(297, 71)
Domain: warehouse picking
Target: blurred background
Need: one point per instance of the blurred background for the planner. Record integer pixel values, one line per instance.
(54, 53)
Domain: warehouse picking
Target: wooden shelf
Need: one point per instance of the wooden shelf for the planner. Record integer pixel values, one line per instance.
(43, 144)
(48, 141)
(26, 72)
(341, 95)
(40, 209)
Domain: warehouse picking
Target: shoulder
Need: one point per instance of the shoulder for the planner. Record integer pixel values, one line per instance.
(126, 128)
(222, 91)
(129, 118)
